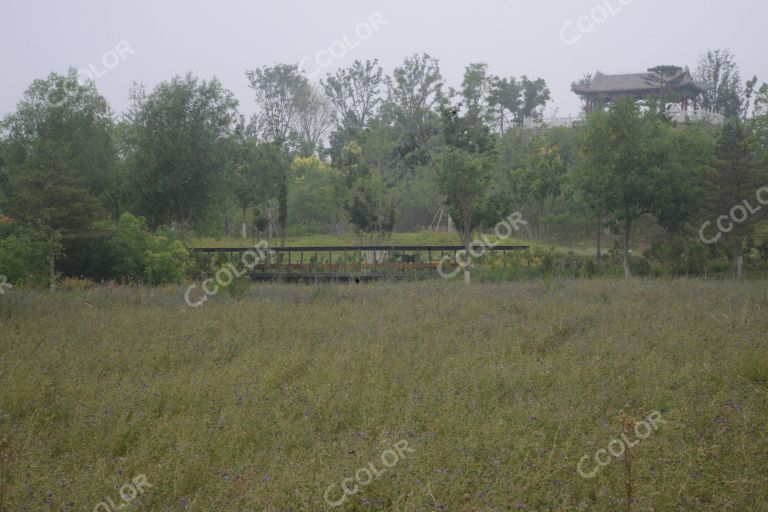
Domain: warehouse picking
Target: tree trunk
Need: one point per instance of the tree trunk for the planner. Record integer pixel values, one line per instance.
(598, 253)
(541, 216)
(739, 260)
(51, 271)
(467, 260)
(282, 209)
(627, 226)
(245, 225)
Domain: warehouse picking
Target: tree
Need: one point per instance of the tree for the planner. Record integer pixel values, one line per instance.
(370, 199)
(59, 160)
(415, 91)
(279, 92)
(285, 100)
(535, 97)
(269, 168)
(734, 179)
(179, 148)
(758, 125)
(761, 101)
(628, 167)
(718, 71)
(475, 90)
(314, 117)
(315, 196)
(521, 99)
(354, 93)
(505, 98)
(690, 149)
(256, 169)
(464, 173)
(541, 177)
(667, 78)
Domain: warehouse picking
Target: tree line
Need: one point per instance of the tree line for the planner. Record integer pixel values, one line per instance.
(360, 150)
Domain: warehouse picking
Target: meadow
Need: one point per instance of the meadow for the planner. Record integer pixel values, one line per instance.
(125, 397)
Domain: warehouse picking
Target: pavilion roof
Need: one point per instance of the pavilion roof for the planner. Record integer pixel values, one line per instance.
(637, 83)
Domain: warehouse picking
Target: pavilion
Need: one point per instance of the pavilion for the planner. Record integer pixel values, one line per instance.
(674, 84)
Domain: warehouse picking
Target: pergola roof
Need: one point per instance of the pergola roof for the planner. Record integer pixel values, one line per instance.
(637, 83)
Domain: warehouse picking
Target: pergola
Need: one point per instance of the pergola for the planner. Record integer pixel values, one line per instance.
(677, 86)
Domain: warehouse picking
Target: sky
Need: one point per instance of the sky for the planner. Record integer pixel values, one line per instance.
(117, 43)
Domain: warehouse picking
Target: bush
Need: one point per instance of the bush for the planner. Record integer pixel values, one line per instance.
(127, 251)
(168, 263)
(24, 255)
(680, 257)
(121, 253)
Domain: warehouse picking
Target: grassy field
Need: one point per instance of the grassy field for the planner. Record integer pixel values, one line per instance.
(418, 396)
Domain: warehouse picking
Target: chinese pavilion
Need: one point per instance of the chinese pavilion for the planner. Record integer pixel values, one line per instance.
(674, 84)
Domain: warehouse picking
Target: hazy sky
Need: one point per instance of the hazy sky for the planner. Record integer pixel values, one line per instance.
(120, 42)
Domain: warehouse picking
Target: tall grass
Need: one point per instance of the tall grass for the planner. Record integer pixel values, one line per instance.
(263, 402)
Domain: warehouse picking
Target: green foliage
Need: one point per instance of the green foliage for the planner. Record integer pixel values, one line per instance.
(59, 158)
(680, 257)
(260, 175)
(314, 196)
(278, 90)
(465, 170)
(24, 255)
(177, 148)
(369, 198)
(415, 92)
(166, 262)
(636, 164)
(354, 94)
(718, 70)
(520, 99)
(127, 251)
(122, 252)
(735, 177)
(60, 138)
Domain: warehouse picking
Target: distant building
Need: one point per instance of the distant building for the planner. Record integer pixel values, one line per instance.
(673, 85)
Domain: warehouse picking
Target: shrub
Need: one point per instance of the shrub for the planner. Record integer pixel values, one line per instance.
(123, 249)
(127, 251)
(680, 257)
(168, 263)
(24, 255)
